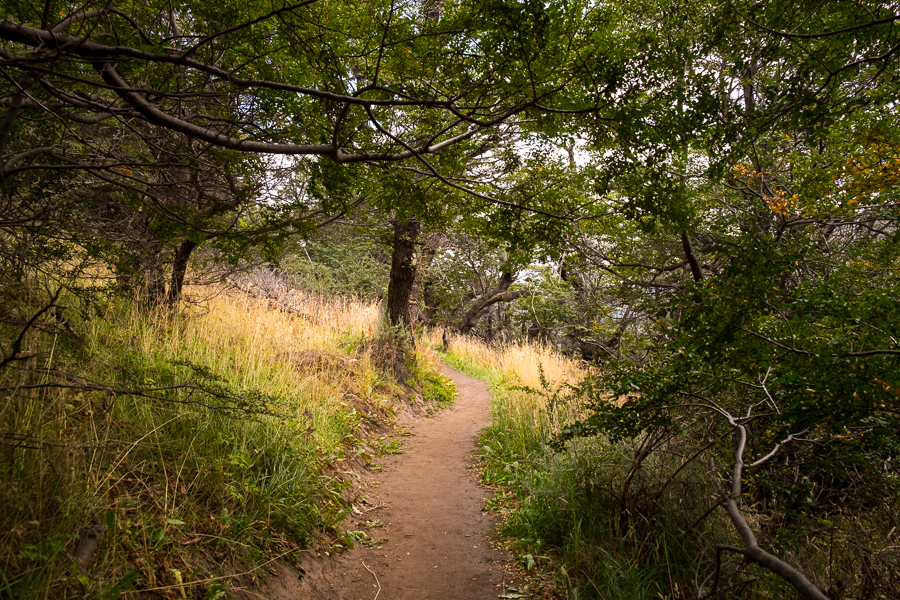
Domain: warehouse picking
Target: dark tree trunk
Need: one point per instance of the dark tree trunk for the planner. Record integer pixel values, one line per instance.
(403, 270)
(484, 302)
(696, 270)
(179, 270)
(154, 284)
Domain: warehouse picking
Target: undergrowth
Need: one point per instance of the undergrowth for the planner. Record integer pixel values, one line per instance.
(639, 517)
(567, 516)
(199, 443)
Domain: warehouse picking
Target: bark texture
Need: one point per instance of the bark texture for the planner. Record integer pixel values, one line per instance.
(179, 270)
(404, 263)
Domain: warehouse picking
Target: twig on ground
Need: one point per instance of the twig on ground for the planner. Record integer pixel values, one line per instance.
(376, 580)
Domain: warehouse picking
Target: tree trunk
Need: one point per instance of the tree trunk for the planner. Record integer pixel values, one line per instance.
(179, 270)
(403, 270)
(484, 302)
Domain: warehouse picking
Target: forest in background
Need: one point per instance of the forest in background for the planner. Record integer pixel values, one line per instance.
(696, 200)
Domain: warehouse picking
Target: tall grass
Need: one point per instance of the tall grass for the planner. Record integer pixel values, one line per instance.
(307, 361)
(527, 419)
(223, 458)
(567, 507)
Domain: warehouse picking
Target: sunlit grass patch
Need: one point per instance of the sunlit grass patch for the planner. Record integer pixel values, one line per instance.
(511, 369)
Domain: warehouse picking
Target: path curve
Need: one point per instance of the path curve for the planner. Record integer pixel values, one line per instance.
(434, 518)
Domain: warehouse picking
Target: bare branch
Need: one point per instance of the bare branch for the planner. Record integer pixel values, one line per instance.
(15, 353)
(752, 550)
(761, 461)
(24, 155)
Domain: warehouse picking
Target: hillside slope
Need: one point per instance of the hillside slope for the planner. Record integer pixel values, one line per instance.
(166, 451)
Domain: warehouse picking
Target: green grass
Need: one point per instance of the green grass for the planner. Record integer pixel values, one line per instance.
(231, 467)
(564, 505)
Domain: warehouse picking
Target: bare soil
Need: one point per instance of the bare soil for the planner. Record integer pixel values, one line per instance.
(430, 509)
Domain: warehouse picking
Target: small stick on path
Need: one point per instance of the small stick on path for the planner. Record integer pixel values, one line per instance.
(376, 580)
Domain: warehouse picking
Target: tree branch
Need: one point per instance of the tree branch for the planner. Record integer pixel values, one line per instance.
(24, 155)
(696, 271)
(16, 351)
(752, 550)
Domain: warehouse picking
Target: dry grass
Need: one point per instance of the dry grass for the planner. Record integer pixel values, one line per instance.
(522, 361)
(511, 366)
(185, 489)
(304, 356)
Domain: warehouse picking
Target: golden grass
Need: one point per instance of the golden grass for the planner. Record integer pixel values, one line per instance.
(523, 361)
(513, 365)
(305, 356)
(87, 455)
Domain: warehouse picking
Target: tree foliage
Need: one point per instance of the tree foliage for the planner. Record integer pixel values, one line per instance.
(723, 237)
(761, 267)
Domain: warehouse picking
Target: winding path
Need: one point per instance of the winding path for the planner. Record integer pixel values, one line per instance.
(433, 519)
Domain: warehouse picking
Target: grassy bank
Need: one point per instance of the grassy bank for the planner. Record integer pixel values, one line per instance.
(586, 519)
(194, 444)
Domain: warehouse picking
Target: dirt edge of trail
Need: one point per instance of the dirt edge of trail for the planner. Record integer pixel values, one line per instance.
(429, 507)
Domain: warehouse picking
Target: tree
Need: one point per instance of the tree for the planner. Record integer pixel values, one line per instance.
(306, 79)
(170, 86)
(470, 279)
(757, 169)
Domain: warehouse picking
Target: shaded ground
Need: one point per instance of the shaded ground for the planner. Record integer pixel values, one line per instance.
(431, 509)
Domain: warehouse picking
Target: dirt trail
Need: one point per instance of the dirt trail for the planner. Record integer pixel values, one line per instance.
(432, 515)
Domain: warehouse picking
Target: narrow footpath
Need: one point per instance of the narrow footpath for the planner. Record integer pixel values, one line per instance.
(431, 508)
